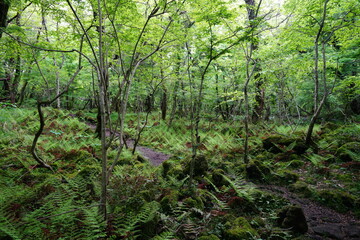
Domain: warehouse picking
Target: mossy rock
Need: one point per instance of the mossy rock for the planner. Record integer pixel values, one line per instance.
(166, 166)
(273, 143)
(338, 200)
(194, 202)
(301, 188)
(209, 237)
(201, 165)
(257, 171)
(240, 230)
(285, 177)
(258, 222)
(218, 179)
(349, 152)
(278, 144)
(240, 204)
(292, 217)
(174, 169)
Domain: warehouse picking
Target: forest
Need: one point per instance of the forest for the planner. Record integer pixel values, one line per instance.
(180, 119)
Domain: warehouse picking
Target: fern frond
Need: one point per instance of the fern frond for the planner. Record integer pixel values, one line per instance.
(164, 236)
(241, 188)
(127, 225)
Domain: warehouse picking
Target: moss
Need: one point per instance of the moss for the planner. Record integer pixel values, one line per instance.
(240, 204)
(301, 188)
(258, 222)
(279, 144)
(201, 165)
(256, 170)
(274, 143)
(285, 177)
(240, 230)
(218, 179)
(338, 200)
(171, 168)
(292, 217)
(194, 202)
(209, 237)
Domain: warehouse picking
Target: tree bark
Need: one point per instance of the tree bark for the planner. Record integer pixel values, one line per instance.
(4, 8)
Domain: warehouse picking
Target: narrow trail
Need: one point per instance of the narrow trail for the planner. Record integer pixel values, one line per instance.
(154, 157)
(324, 223)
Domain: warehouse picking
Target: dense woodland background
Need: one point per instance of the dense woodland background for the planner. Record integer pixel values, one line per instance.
(238, 95)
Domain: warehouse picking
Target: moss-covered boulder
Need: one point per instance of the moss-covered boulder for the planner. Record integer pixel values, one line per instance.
(218, 179)
(338, 200)
(279, 144)
(201, 165)
(194, 202)
(292, 217)
(257, 171)
(173, 169)
(349, 152)
(240, 230)
(209, 237)
(301, 188)
(285, 177)
(241, 204)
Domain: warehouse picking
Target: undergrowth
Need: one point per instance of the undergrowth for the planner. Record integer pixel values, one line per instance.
(145, 202)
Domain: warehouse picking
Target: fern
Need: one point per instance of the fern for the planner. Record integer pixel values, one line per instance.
(242, 189)
(127, 225)
(164, 236)
(7, 228)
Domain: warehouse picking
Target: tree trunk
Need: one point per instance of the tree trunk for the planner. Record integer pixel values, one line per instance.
(4, 8)
(164, 104)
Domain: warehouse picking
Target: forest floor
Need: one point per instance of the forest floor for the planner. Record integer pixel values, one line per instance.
(154, 157)
(150, 195)
(323, 222)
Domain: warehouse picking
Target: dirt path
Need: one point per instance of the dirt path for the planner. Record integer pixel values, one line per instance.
(154, 157)
(324, 223)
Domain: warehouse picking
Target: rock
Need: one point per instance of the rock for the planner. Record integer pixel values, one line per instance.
(240, 204)
(285, 177)
(210, 237)
(279, 144)
(256, 170)
(218, 179)
(352, 231)
(338, 200)
(301, 188)
(201, 165)
(330, 230)
(273, 143)
(240, 230)
(293, 217)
